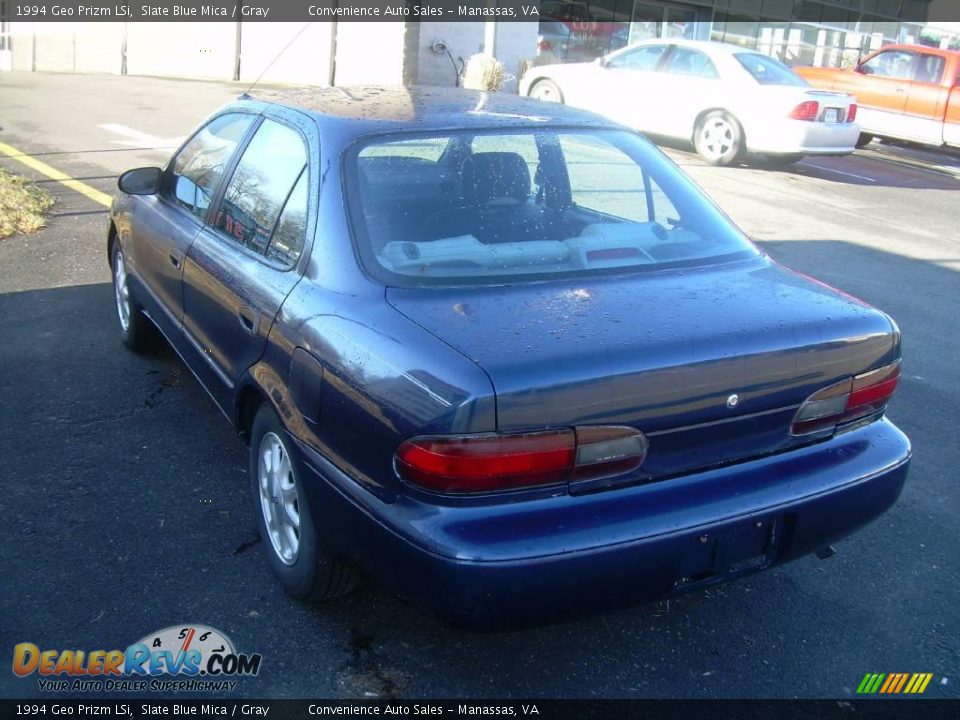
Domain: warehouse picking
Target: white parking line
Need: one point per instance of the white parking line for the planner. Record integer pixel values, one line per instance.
(838, 172)
(140, 140)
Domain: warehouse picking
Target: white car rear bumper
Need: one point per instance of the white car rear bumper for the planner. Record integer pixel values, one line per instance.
(801, 137)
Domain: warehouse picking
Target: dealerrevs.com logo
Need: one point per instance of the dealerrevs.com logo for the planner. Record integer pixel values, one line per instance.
(180, 658)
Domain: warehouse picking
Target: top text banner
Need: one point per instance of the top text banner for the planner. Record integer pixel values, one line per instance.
(273, 10)
(576, 13)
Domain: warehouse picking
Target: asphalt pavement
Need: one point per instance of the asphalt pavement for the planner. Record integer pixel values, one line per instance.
(124, 495)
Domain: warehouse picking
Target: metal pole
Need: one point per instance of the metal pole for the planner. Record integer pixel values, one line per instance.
(490, 38)
(238, 39)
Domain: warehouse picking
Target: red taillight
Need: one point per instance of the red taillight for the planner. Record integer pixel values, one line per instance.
(492, 462)
(545, 45)
(846, 401)
(852, 113)
(808, 110)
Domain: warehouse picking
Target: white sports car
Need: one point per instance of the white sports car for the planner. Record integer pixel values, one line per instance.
(727, 99)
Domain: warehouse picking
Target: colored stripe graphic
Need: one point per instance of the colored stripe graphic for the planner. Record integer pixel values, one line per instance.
(890, 683)
(894, 683)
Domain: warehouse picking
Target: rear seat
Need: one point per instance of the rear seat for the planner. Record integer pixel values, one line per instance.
(495, 208)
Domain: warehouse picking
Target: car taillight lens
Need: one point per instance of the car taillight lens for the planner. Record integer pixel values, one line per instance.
(846, 401)
(545, 45)
(852, 113)
(806, 110)
(494, 462)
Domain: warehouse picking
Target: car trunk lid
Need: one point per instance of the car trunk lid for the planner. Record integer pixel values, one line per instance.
(710, 363)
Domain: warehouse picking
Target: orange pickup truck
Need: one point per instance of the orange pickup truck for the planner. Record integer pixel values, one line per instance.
(908, 92)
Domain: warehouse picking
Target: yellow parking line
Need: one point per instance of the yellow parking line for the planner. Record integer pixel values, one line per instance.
(54, 174)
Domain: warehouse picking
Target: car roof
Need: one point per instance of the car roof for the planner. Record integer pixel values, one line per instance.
(362, 110)
(708, 46)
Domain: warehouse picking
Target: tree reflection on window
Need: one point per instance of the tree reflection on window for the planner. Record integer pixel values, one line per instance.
(260, 186)
(197, 169)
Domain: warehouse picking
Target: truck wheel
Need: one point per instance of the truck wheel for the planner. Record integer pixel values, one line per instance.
(284, 519)
(718, 138)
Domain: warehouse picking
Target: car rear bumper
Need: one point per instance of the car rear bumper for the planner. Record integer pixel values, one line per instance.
(537, 560)
(790, 137)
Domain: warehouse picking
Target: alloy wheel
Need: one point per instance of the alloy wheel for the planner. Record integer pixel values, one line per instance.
(121, 290)
(279, 499)
(717, 138)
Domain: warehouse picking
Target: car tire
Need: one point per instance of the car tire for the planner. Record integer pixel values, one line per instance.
(719, 139)
(546, 90)
(864, 140)
(783, 160)
(137, 332)
(284, 519)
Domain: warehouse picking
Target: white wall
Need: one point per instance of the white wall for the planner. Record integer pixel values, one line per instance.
(366, 52)
(99, 47)
(462, 39)
(370, 53)
(305, 61)
(55, 51)
(186, 49)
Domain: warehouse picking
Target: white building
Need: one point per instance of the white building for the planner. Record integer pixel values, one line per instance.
(315, 53)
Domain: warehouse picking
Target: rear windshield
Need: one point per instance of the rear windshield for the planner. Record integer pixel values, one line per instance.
(767, 71)
(495, 207)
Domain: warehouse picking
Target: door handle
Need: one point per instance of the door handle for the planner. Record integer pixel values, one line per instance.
(249, 319)
(901, 90)
(176, 257)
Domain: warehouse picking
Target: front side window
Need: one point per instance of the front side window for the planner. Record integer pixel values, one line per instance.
(196, 170)
(529, 204)
(642, 58)
(256, 194)
(767, 71)
(894, 64)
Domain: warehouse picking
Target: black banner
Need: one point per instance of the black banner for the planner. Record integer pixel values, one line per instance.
(535, 709)
(443, 10)
(274, 10)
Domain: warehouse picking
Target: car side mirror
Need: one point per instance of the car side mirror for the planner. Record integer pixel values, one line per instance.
(140, 181)
(862, 69)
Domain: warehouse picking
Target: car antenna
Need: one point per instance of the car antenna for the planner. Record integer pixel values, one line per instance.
(246, 93)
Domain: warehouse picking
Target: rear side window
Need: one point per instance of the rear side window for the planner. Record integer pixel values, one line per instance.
(684, 61)
(287, 241)
(196, 170)
(929, 69)
(258, 190)
(643, 58)
(767, 71)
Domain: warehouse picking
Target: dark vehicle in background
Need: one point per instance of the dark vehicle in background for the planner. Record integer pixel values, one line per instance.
(553, 39)
(504, 356)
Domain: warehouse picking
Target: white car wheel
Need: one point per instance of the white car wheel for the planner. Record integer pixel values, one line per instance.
(547, 91)
(719, 138)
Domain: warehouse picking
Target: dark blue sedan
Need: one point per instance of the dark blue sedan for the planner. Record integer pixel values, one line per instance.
(504, 356)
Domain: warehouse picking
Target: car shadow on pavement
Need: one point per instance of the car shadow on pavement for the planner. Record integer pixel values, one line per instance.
(127, 510)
